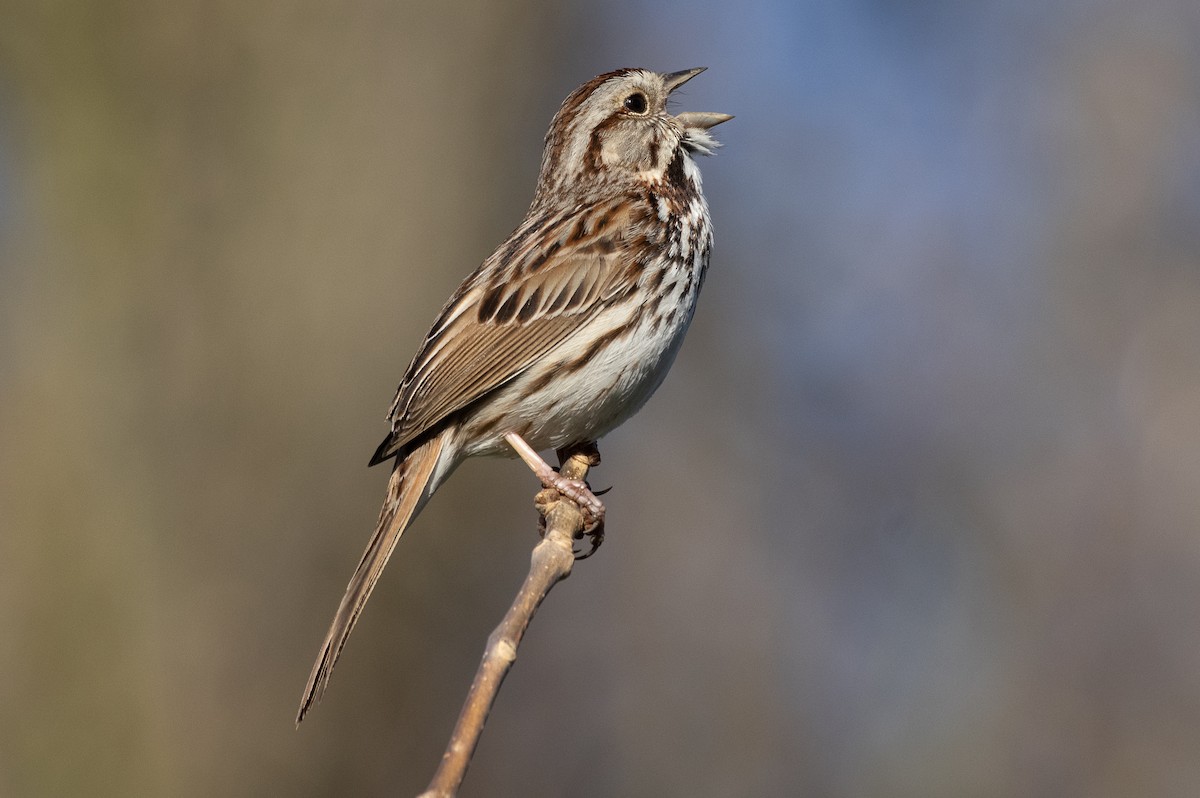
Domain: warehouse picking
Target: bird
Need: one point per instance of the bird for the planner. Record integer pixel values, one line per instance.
(566, 330)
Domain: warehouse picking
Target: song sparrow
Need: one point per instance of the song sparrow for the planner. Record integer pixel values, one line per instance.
(569, 327)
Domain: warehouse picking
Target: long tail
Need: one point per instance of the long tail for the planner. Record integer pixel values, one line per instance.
(409, 488)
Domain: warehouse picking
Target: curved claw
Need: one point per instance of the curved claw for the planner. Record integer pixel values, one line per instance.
(595, 537)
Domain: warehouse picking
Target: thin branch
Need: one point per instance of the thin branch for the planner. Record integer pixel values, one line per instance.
(551, 562)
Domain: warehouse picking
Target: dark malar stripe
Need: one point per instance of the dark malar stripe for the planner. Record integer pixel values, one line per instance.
(675, 174)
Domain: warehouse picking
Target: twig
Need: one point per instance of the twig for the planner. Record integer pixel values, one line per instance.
(551, 562)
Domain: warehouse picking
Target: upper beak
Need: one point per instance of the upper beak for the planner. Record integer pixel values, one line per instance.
(692, 119)
(676, 79)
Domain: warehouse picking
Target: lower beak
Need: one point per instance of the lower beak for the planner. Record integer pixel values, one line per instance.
(701, 119)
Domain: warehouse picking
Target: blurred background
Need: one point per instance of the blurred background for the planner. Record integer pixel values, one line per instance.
(916, 514)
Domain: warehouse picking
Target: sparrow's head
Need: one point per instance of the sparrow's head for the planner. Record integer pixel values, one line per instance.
(616, 127)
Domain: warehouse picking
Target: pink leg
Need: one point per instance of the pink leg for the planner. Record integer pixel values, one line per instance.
(574, 490)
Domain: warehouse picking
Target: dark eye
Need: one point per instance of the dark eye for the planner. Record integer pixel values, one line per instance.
(636, 103)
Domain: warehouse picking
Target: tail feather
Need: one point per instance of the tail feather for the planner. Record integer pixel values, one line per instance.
(408, 490)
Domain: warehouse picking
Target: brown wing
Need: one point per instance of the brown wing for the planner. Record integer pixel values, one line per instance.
(555, 274)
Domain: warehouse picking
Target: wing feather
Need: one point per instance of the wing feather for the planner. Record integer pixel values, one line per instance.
(561, 273)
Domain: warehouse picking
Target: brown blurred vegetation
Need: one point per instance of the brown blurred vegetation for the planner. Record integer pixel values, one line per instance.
(937, 527)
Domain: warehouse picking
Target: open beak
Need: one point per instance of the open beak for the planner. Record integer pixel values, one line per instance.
(702, 120)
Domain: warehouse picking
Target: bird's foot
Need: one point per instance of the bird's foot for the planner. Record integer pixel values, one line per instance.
(595, 536)
(576, 490)
(580, 493)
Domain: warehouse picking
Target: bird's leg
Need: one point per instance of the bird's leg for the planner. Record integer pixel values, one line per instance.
(574, 489)
(571, 460)
(589, 451)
